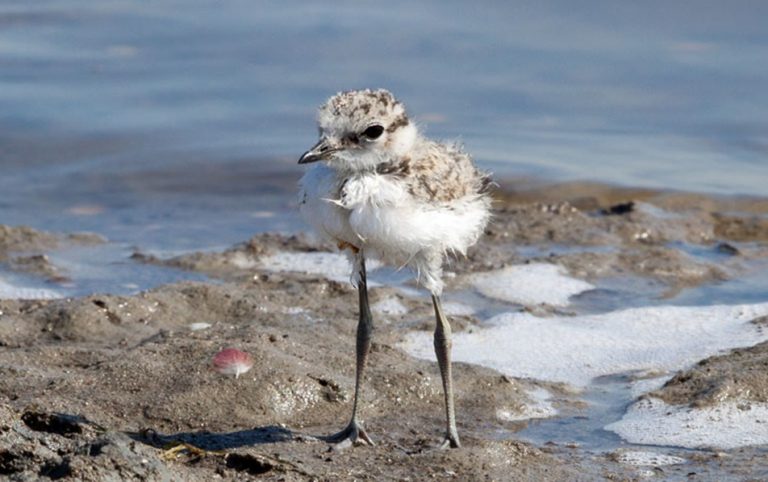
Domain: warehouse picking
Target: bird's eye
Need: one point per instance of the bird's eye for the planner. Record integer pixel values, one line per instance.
(373, 132)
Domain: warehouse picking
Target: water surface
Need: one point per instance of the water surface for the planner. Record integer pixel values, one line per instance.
(177, 124)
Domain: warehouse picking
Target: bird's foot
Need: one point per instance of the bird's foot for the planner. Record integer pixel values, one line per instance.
(451, 441)
(354, 434)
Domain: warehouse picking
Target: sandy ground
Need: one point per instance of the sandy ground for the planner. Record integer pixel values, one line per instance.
(101, 387)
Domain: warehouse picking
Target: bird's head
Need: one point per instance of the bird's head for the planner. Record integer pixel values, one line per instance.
(360, 129)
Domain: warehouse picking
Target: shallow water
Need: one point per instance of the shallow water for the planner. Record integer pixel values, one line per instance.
(607, 399)
(109, 269)
(751, 286)
(86, 270)
(177, 124)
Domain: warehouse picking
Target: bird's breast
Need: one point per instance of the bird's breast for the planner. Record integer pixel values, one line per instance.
(372, 190)
(320, 204)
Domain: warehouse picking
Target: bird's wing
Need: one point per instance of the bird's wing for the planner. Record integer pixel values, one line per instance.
(444, 173)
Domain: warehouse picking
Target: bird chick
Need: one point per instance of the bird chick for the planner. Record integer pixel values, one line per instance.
(386, 192)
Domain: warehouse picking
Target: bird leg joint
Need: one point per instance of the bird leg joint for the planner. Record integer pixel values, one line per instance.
(342, 245)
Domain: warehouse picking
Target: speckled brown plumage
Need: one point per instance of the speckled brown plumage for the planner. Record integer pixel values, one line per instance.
(378, 163)
(388, 193)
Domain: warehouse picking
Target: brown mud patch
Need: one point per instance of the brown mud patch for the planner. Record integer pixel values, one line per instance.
(241, 260)
(110, 387)
(740, 375)
(597, 232)
(109, 381)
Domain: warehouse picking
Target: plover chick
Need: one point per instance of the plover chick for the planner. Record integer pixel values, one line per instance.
(383, 191)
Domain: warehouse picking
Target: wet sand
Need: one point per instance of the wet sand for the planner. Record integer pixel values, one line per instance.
(109, 387)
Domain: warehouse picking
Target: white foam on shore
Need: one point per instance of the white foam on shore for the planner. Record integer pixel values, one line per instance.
(200, 325)
(727, 425)
(293, 310)
(530, 284)
(330, 265)
(576, 349)
(390, 306)
(333, 266)
(242, 261)
(646, 385)
(453, 308)
(648, 459)
(540, 408)
(10, 292)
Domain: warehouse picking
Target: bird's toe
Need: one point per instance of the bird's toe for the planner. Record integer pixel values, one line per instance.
(353, 434)
(451, 441)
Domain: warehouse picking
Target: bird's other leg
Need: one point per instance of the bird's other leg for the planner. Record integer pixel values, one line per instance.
(443, 352)
(354, 433)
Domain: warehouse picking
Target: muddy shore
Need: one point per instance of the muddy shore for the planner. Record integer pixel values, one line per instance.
(110, 387)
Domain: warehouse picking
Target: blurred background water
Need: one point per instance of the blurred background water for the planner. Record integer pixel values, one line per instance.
(176, 125)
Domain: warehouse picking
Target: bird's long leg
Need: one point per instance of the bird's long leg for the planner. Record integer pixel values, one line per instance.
(354, 433)
(443, 352)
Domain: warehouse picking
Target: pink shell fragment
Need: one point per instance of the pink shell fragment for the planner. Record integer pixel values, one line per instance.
(232, 361)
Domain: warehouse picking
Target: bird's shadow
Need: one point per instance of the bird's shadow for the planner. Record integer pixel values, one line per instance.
(213, 441)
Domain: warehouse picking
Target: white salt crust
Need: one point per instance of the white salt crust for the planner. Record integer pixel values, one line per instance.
(333, 266)
(9, 292)
(530, 284)
(576, 349)
(648, 459)
(727, 425)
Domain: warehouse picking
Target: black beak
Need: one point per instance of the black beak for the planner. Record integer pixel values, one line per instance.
(320, 151)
